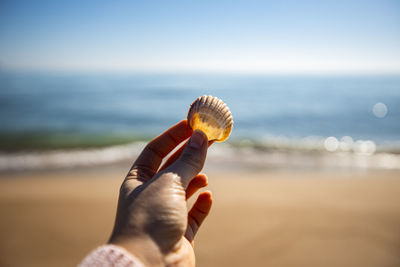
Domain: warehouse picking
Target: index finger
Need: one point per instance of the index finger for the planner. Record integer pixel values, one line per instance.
(152, 155)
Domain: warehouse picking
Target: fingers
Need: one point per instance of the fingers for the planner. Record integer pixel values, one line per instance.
(151, 157)
(197, 182)
(173, 157)
(197, 214)
(191, 161)
(177, 154)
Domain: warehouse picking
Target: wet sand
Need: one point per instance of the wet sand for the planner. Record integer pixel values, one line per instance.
(268, 218)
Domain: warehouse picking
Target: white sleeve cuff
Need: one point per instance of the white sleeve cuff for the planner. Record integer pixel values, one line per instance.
(110, 256)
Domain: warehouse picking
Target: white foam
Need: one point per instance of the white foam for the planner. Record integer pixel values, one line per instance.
(68, 158)
(287, 153)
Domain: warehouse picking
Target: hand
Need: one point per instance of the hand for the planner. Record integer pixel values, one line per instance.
(152, 220)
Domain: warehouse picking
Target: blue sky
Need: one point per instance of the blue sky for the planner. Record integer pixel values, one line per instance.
(208, 36)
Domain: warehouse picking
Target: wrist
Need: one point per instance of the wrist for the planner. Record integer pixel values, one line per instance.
(142, 248)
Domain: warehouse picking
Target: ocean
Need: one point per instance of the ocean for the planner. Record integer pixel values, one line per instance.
(51, 120)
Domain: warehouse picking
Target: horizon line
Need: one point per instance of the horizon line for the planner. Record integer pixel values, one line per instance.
(198, 71)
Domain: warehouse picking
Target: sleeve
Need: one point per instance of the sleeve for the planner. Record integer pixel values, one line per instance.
(110, 256)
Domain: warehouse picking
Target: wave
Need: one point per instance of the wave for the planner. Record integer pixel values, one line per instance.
(265, 153)
(318, 144)
(21, 161)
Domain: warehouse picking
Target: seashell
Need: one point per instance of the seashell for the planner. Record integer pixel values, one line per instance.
(212, 116)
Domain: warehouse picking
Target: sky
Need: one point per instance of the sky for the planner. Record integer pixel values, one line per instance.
(342, 36)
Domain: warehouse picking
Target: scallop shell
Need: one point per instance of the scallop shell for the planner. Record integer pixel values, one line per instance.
(212, 116)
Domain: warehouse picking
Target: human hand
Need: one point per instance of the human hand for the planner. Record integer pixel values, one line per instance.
(152, 220)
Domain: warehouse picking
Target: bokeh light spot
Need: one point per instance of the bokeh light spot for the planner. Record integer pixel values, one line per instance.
(365, 147)
(331, 144)
(380, 110)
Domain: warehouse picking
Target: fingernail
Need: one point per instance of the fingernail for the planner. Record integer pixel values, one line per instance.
(197, 139)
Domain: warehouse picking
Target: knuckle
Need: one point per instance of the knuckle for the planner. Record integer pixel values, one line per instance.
(152, 150)
(173, 182)
(142, 172)
(170, 177)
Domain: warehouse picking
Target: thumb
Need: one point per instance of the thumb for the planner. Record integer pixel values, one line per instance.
(191, 161)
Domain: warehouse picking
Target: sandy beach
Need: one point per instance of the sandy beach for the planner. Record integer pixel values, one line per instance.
(269, 218)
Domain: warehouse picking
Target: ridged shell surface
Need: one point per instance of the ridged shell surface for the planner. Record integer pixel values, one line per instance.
(212, 116)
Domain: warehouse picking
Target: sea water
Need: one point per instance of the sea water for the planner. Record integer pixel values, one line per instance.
(275, 117)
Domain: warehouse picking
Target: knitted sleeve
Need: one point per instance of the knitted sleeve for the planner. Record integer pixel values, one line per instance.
(110, 256)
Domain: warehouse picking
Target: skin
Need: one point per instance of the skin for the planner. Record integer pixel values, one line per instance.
(153, 222)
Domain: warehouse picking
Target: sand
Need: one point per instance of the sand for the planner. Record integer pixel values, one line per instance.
(268, 218)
